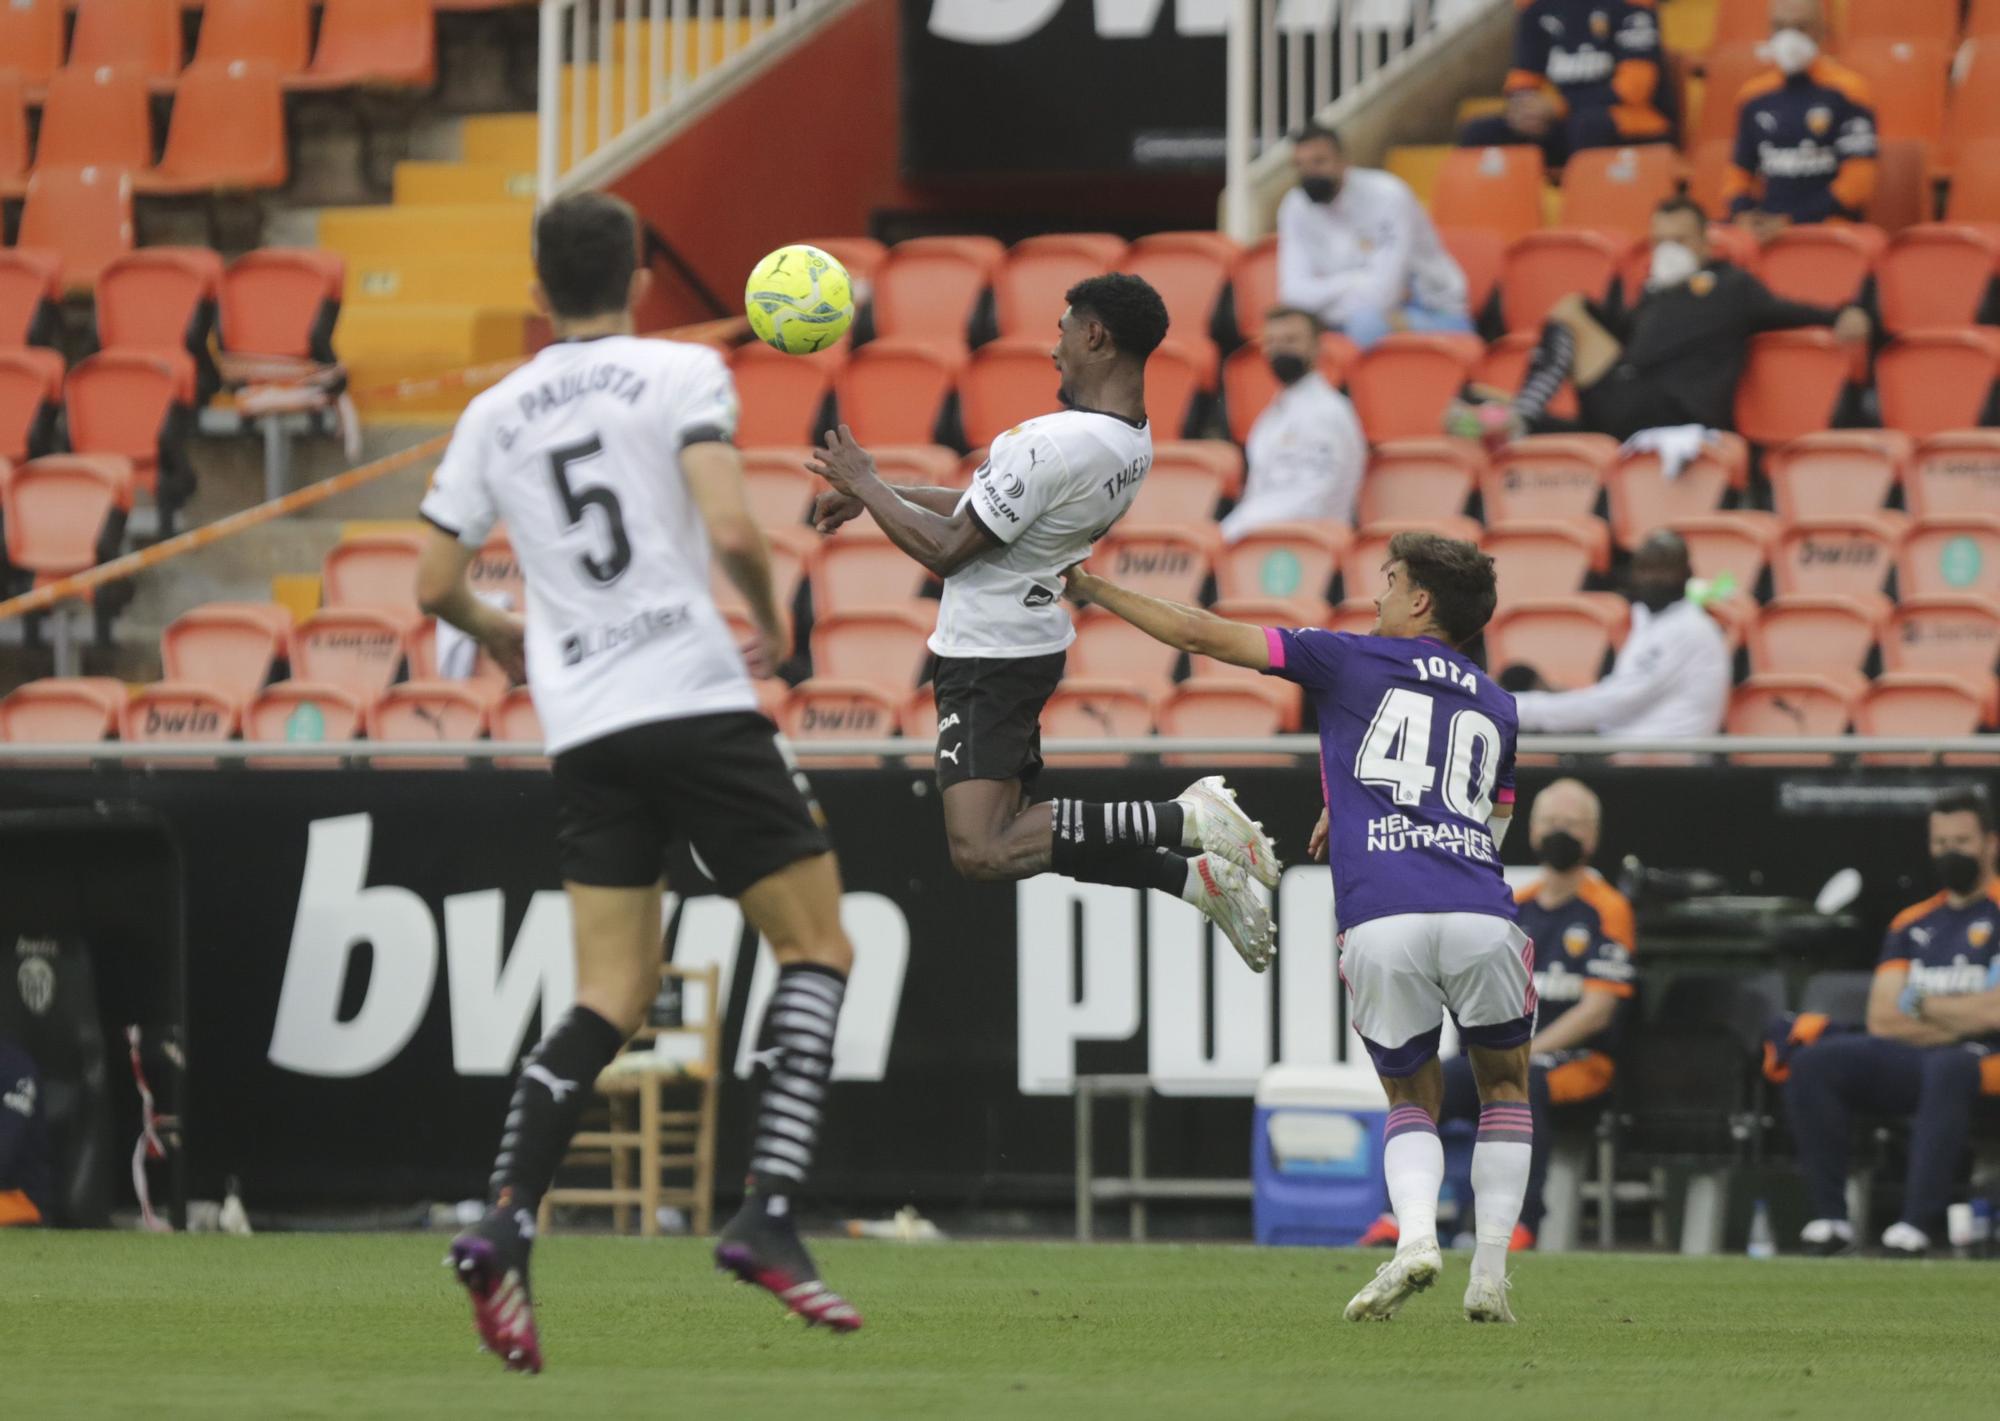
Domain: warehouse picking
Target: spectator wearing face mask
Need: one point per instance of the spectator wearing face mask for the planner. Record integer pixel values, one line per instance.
(1672, 359)
(1305, 455)
(1583, 935)
(1805, 132)
(1357, 249)
(1671, 678)
(1586, 74)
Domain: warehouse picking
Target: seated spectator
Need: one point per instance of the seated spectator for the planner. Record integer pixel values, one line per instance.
(1672, 359)
(1357, 249)
(26, 1161)
(1582, 931)
(1805, 132)
(1587, 74)
(1671, 678)
(1933, 1017)
(1305, 455)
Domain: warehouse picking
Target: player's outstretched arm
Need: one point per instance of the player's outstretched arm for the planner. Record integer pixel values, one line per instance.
(714, 473)
(444, 592)
(943, 542)
(1189, 628)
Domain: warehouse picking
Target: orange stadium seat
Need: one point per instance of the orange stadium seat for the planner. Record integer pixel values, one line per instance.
(1787, 705)
(1816, 636)
(513, 718)
(1084, 709)
(1169, 562)
(791, 549)
(1218, 454)
(1353, 614)
(1642, 498)
(292, 711)
(169, 711)
(1362, 558)
(1253, 285)
(1614, 190)
(862, 256)
(777, 486)
(143, 36)
(30, 396)
(1503, 366)
(1975, 101)
(1952, 557)
(1403, 386)
(60, 512)
(840, 710)
(1935, 20)
(1415, 478)
(918, 720)
(228, 132)
(31, 36)
(1946, 636)
(63, 710)
(376, 43)
(1009, 381)
(282, 301)
(97, 117)
(1708, 172)
(30, 287)
(161, 299)
(1175, 374)
(1975, 182)
(893, 391)
(1834, 557)
(1735, 545)
(273, 32)
(1189, 271)
(1028, 286)
(1934, 277)
(1791, 385)
(1565, 642)
(1496, 188)
(1954, 474)
(1836, 473)
(1544, 267)
(1480, 253)
(883, 648)
(131, 403)
(373, 570)
(420, 711)
(1739, 22)
(420, 648)
(1730, 65)
(225, 645)
(1289, 562)
(1825, 264)
(782, 396)
(1905, 181)
(1982, 19)
(1909, 704)
(1907, 79)
(1548, 476)
(1537, 561)
(1285, 696)
(1180, 487)
(930, 286)
(1109, 647)
(860, 570)
(1930, 382)
(924, 465)
(1104, 248)
(14, 151)
(359, 649)
(1227, 710)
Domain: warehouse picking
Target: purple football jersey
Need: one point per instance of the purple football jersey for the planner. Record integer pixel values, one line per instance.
(1416, 748)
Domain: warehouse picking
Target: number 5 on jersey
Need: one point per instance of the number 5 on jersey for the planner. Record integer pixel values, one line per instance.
(1395, 754)
(579, 500)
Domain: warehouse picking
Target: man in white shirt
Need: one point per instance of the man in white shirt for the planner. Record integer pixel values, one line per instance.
(1671, 678)
(1356, 248)
(1306, 453)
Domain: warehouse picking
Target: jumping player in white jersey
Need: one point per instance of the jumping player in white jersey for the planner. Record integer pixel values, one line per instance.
(609, 459)
(1048, 490)
(1417, 760)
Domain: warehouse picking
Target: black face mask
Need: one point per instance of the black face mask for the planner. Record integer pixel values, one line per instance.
(1289, 368)
(1656, 596)
(1959, 873)
(1560, 850)
(1320, 189)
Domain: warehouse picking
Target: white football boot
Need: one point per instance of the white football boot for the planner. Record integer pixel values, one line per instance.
(1229, 901)
(1902, 1240)
(1486, 1300)
(1411, 1271)
(1221, 827)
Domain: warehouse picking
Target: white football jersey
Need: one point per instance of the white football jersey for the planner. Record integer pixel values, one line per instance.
(1048, 490)
(578, 452)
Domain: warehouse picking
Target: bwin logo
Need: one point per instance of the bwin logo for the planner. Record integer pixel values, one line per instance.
(1010, 21)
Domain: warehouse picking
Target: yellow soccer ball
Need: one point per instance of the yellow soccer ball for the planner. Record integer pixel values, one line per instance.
(799, 300)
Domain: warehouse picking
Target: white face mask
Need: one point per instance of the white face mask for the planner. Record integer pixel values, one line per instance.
(1672, 264)
(1791, 50)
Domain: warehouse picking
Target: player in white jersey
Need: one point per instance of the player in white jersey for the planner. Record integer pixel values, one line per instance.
(1048, 490)
(609, 460)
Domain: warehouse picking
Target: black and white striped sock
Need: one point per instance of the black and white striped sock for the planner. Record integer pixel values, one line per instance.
(797, 1062)
(1142, 823)
(549, 1095)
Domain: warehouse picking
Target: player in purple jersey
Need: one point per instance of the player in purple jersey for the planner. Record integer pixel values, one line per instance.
(1417, 760)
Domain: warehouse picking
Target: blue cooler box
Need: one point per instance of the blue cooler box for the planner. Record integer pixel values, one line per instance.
(1316, 1154)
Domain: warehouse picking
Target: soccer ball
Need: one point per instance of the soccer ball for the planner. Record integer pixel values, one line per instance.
(799, 300)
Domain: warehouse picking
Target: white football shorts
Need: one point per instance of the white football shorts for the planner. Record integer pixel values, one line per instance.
(1403, 972)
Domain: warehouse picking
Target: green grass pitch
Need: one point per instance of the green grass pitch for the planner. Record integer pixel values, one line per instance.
(366, 1326)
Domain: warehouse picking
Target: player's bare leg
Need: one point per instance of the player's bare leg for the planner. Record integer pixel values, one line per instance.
(617, 941)
(797, 909)
(1500, 1161)
(1413, 1161)
(995, 835)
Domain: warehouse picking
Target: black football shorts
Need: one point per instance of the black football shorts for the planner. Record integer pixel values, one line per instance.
(990, 715)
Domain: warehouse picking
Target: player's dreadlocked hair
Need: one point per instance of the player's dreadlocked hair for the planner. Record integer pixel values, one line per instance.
(1457, 575)
(586, 248)
(1126, 306)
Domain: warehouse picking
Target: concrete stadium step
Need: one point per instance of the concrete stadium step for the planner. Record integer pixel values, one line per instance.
(419, 183)
(441, 279)
(507, 138)
(489, 229)
(381, 345)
